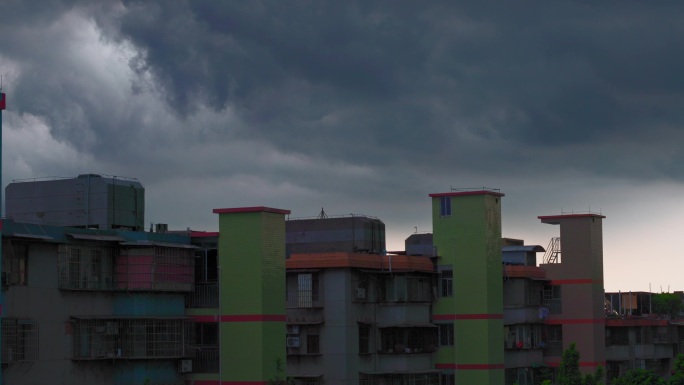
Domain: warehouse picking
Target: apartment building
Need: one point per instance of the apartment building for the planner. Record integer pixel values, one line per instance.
(88, 297)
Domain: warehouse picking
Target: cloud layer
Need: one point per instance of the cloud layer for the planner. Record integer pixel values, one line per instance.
(361, 106)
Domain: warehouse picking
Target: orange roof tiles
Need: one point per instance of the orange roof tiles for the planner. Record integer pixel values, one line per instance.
(359, 260)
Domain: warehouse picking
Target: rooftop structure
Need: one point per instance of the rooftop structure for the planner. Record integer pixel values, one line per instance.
(87, 201)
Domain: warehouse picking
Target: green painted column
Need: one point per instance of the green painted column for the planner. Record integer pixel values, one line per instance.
(467, 234)
(251, 258)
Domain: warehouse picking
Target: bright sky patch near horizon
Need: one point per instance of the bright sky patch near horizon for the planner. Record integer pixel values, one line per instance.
(363, 107)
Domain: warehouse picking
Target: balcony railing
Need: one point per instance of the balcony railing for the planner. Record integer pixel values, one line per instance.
(205, 295)
(206, 359)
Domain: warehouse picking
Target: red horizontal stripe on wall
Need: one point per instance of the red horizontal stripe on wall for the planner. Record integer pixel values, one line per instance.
(445, 317)
(470, 366)
(253, 318)
(575, 281)
(578, 321)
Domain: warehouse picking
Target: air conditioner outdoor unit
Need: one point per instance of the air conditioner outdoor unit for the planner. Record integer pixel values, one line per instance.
(185, 366)
(360, 293)
(292, 329)
(292, 342)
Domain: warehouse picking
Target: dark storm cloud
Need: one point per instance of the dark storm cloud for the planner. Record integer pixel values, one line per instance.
(382, 77)
(398, 85)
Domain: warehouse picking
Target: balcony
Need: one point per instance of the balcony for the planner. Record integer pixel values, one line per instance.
(130, 338)
(205, 295)
(206, 359)
(526, 315)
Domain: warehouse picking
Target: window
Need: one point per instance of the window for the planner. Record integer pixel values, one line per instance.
(19, 340)
(445, 206)
(408, 340)
(446, 282)
(312, 344)
(618, 336)
(303, 290)
(404, 288)
(414, 378)
(361, 287)
(554, 341)
(206, 358)
(523, 336)
(14, 263)
(131, 338)
(86, 266)
(447, 378)
(552, 299)
(364, 338)
(446, 334)
(303, 340)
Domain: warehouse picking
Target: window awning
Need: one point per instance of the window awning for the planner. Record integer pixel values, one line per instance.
(160, 244)
(33, 236)
(97, 237)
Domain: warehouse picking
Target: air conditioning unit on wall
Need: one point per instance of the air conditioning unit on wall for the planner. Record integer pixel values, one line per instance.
(184, 366)
(292, 342)
(292, 329)
(360, 293)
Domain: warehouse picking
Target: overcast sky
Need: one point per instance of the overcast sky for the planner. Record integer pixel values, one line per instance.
(364, 107)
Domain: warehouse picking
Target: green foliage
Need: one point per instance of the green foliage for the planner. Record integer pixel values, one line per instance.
(667, 303)
(568, 372)
(280, 377)
(639, 377)
(596, 378)
(678, 375)
(546, 382)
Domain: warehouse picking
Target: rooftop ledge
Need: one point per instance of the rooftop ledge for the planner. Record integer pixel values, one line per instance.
(466, 193)
(254, 209)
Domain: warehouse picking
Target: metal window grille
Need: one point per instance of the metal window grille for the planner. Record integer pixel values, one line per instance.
(305, 341)
(85, 267)
(554, 341)
(131, 338)
(361, 288)
(523, 336)
(447, 379)
(446, 334)
(399, 379)
(364, 338)
(445, 206)
(408, 340)
(533, 293)
(552, 299)
(303, 291)
(312, 344)
(205, 295)
(155, 268)
(447, 283)
(206, 358)
(404, 288)
(14, 263)
(318, 380)
(19, 340)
